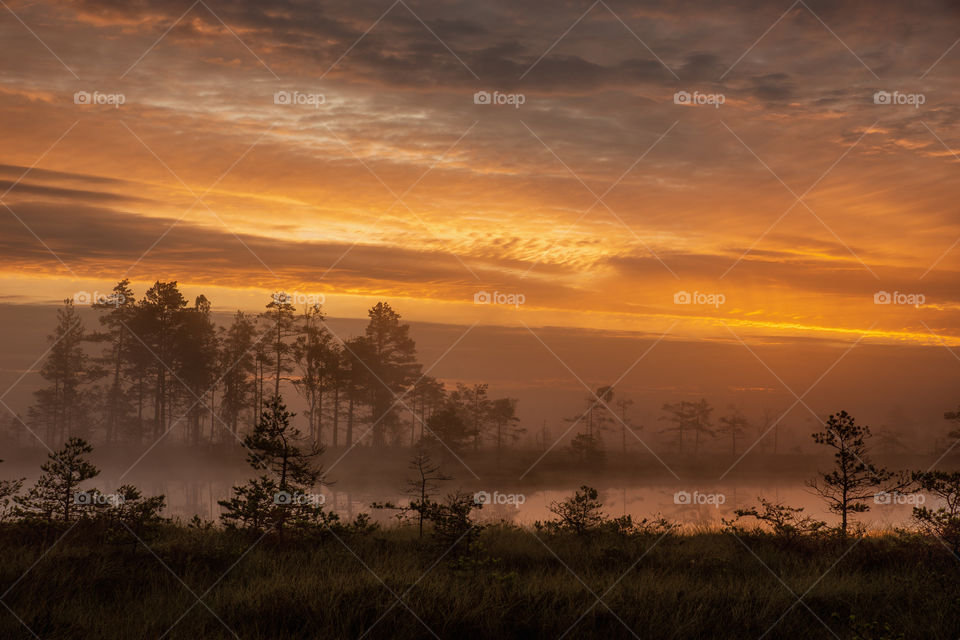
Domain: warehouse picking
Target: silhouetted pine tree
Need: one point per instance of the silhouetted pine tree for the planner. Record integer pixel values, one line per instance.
(116, 314)
(53, 497)
(60, 408)
(390, 358)
(238, 373)
(271, 501)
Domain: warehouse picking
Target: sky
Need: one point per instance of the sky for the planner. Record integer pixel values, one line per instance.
(761, 172)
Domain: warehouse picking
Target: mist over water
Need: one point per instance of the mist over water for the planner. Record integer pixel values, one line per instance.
(193, 483)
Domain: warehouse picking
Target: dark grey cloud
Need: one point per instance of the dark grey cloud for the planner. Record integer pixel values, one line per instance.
(773, 87)
(105, 242)
(16, 172)
(501, 39)
(14, 190)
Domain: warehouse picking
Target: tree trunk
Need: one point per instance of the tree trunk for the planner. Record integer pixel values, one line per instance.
(336, 414)
(350, 420)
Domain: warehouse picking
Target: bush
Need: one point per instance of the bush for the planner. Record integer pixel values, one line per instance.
(453, 524)
(578, 514)
(944, 522)
(783, 521)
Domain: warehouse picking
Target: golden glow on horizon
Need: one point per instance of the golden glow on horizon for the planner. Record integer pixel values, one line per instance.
(463, 311)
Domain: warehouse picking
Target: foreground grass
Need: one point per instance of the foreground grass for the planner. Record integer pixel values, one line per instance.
(514, 584)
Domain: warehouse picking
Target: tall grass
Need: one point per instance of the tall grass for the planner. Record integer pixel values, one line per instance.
(513, 583)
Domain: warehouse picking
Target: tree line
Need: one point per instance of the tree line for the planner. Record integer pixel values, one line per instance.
(160, 365)
(691, 426)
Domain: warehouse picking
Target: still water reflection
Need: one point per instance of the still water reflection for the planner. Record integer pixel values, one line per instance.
(689, 505)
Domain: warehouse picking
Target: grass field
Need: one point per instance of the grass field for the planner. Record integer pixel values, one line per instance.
(510, 583)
